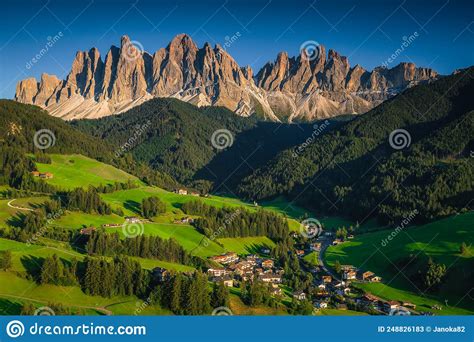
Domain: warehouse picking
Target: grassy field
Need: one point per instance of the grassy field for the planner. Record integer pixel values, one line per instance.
(312, 258)
(439, 240)
(186, 235)
(72, 171)
(246, 245)
(26, 257)
(15, 291)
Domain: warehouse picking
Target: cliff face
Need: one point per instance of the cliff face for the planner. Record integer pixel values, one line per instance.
(288, 89)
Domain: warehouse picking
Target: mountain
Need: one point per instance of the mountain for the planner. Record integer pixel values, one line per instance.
(411, 153)
(302, 88)
(30, 129)
(177, 139)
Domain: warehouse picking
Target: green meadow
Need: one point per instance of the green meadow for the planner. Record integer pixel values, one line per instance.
(73, 171)
(438, 240)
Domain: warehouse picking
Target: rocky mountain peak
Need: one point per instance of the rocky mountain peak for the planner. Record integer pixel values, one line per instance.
(289, 88)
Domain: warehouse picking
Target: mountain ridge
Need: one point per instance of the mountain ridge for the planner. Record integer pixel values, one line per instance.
(301, 88)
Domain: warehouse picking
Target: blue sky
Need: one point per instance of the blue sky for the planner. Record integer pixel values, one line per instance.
(368, 32)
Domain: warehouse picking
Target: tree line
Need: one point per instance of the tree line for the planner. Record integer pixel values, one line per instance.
(229, 222)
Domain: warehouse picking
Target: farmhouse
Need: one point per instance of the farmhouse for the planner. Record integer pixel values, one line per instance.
(300, 252)
(316, 246)
(227, 280)
(35, 173)
(226, 258)
(348, 275)
(181, 191)
(87, 231)
(275, 290)
(267, 263)
(132, 219)
(44, 175)
(270, 278)
(367, 275)
(299, 295)
(217, 272)
(320, 304)
(326, 279)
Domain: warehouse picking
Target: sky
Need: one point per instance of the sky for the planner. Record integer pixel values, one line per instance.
(438, 34)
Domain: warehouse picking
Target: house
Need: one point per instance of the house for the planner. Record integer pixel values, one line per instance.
(326, 279)
(252, 259)
(299, 295)
(300, 252)
(46, 175)
(409, 305)
(350, 236)
(217, 272)
(320, 304)
(348, 275)
(195, 193)
(343, 291)
(132, 219)
(375, 279)
(183, 220)
(316, 246)
(181, 191)
(390, 306)
(87, 231)
(337, 242)
(226, 258)
(35, 173)
(270, 278)
(111, 225)
(265, 250)
(367, 275)
(227, 280)
(268, 263)
(322, 286)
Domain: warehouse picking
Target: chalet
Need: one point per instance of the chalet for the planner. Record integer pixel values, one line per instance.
(326, 279)
(246, 276)
(348, 268)
(299, 295)
(270, 278)
(348, 275)
(390, 306)
(184, 220)
(132, 219)
(300, 252)
(367, 275)
(35, 173)
(252, 259)
(111, 225)
(226, 258)
(322, 286)
(320, 304)
(339, 284)
(227, 280)
(343, 291)
(375, 279)
(195, 194)
(268, 263)
(316, 246)
(181, 191)
(217, 272)
(409, 305)
(87, 231)
(46, 175)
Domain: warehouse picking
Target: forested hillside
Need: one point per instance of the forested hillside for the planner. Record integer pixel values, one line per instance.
(354, 170)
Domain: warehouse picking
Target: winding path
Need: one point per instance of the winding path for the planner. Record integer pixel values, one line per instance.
(15, 207)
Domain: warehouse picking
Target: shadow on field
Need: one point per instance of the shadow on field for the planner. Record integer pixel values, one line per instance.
(32, 265)
(132, 206)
